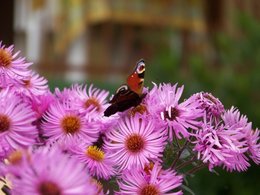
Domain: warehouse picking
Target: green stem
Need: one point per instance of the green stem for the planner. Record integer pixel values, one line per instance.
(195, 169)
(179, 154)
(176, 140)
(184, 164)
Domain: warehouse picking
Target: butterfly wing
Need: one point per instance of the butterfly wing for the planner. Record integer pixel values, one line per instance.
(4, 187)
(123, 100)
(135, 81)
(122, 91)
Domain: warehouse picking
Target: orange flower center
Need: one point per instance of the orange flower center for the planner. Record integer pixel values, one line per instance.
(138, 109)
(93, 102)
(71, 124)
(49, 188)
(135, 143)
(5, 58)
(4, 123)
(149, 190)
(15, 157)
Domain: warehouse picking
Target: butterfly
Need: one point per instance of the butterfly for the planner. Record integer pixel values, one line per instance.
(130, 94)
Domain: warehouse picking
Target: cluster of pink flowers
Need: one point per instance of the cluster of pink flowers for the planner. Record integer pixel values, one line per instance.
(61, 143)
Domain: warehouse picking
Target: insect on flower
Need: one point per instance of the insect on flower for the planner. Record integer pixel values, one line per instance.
(130, 94)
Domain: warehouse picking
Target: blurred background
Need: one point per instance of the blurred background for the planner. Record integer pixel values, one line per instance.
(206, 45)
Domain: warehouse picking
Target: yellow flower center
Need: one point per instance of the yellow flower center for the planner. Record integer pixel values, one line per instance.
(149, 190)
(94, 103)
(95, 153)
(4, 123)
(49, 188)
(71, 124)
(134, 143)
(5, 58)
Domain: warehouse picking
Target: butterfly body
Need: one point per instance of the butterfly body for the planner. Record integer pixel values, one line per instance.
(130, 94)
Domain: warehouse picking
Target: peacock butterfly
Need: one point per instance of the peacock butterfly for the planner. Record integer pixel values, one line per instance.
(130, 94)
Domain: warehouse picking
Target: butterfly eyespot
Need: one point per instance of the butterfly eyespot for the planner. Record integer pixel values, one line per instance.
(122, 89)
(140, 67)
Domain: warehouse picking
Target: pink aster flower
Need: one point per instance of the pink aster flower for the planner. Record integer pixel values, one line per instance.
(210, 104)
(234, 120)
(11, 65)
(135, 141)
(177, 117)
(91, 102)
(83, 100)
(33, 84)
(97, 160)
(209, 147)
(51, 172)
(16, 120)
(236, 146)
(156, 181)
(62, 122)
(220, 144)
(91, 98)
